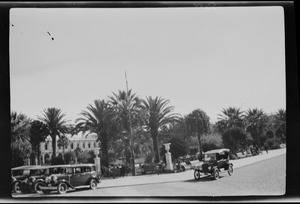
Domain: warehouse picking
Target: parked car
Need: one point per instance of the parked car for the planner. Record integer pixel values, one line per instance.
(36, 177)
(71, 176)
(214, 161)
(18, 175)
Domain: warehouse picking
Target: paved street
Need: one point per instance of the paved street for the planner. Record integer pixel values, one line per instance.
(264, 175)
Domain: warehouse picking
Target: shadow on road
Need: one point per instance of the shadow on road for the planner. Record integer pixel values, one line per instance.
(203, 179)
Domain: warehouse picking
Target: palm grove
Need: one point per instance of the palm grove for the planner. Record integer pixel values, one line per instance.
(129, 127)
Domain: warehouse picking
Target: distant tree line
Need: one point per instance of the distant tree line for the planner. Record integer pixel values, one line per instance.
(129, 127)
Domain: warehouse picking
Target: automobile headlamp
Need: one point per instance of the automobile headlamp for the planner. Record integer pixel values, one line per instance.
(47, 179)
(31, 179)
(13, 179)
(53, 178)
(209, 168)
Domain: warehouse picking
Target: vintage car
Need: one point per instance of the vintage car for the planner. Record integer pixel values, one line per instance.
(36, 177)
(214, 162)
(71, 176)
(18, 175)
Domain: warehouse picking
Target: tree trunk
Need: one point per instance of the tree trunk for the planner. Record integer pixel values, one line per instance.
(53, 146)
(200, 145)
(104, 149)
(155, 145)
(64, 154)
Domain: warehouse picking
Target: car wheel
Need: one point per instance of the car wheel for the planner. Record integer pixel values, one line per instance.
(62, 188)
(93, 184)
(36, 187)
(197, 174)
(230, 170)
(216, 174)
(17, 187)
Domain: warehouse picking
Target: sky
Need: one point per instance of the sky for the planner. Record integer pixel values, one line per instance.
(206, 58)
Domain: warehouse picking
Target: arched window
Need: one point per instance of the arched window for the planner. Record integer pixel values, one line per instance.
(46, 146)
(72, 146)
(89, 145)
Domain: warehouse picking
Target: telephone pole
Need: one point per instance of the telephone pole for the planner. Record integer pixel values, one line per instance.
(131, 136)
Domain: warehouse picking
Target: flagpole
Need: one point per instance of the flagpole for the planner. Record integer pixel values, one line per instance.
(131, 136)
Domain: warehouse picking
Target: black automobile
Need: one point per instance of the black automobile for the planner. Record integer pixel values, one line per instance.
(71, 176)
(18, 175)
(36, 177)
(214, 162)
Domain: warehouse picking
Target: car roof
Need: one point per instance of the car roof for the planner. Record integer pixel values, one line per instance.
(24, 167)
(214, 151)
(73, 165)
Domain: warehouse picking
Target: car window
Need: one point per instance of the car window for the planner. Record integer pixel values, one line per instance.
(77, 170)
(26, 172)
(209, 157)
(87, 169)
(68, 170)
(17, 172)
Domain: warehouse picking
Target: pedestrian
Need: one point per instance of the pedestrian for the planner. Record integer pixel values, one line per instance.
(266, 148)
(122, 170)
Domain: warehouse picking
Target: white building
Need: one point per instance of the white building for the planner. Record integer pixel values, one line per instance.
(85, 143)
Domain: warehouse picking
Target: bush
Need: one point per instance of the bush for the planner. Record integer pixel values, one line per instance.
(233, 137)
(69, 156)
(57, 160)
(273, 143)
(211, 141)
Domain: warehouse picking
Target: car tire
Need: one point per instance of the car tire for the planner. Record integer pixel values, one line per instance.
(36, 187)
(93, 184)
(197, 175)
(230, 170)
(62, 188)
(17, 188)
(216, 174)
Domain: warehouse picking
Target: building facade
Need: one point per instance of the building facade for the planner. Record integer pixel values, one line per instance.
(85, 143)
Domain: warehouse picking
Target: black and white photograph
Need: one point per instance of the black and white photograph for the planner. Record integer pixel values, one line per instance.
(148, 102)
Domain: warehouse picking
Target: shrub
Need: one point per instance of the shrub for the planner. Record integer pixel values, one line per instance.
(233, 137)
(211, 141)
(69, 156)
(57, 160)
(273, 143)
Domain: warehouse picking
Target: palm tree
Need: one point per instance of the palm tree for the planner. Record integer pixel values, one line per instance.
(98, 119)
(231, 118)
(20, 138)
(280, 123)
(63, 142)
(129, 114)
(198, 123)
(159, 114)
(38, 134)
(56, 125)
(256, 123)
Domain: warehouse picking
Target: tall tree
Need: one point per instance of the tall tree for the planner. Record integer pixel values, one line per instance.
(56, 125)
(38, 134)
(280, 123)
(98, 119)
(129, 114)
(159, 114)
(20, 138)
(198, 123)
(230, 118)
(256, 122)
